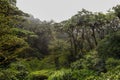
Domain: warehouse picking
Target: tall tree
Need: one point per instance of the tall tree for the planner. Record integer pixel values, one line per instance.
(10, 43)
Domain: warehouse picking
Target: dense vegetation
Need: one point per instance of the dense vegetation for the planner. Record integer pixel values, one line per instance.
(84, 47)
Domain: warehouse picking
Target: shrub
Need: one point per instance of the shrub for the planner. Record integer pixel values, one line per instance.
(8, 75)
(64, 60)
(62, 75)
(32, 64)
(90, 61)
(83, 74)
(77, 65)
(39, 75)
(112, 63)
(113, 74)
(71, 75)
(110, 46)
(20, 69)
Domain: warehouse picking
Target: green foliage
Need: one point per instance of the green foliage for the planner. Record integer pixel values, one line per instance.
(113, 74)
(117, 10)
(77, 64)
(68, 44)
(83, 74)
(110, 46)
(71, 75)
(10, 44)
(14, 72)
(112, 63)
(13, 2)
(89, 61)
(43, 31)
(7, 9)
(58, 46)
(60, 51)
(30, 64)
(61, 75)
(34, 64)
(7, 75)
(21, 32)
(39, 75)
(48, 62)
(65, 60)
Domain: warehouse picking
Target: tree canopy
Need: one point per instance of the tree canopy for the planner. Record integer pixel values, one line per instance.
(84, 47)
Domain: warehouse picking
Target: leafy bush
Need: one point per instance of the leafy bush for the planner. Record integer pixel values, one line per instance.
(47, 63)
(39, 75)
(71, 75)
(62, 75)
(112, 63)
(64, 60)
(77, 65)
(83, 74)
(8, 75)
(110, 46)
(90, 61)
(20, 69)
(113, 74)
(34, 64)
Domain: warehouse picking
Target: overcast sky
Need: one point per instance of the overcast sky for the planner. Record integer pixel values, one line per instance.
(59, 10)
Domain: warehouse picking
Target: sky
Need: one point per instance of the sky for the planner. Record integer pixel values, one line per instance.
(59, 10)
